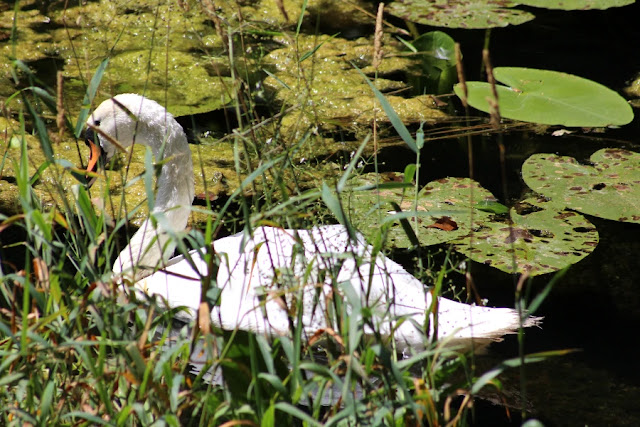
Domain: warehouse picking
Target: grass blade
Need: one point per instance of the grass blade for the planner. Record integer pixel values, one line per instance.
(391, 114)
(297, 413)
(43, 135)
(89, 95)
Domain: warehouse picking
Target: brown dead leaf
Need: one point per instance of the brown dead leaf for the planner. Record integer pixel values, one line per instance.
(445, 223)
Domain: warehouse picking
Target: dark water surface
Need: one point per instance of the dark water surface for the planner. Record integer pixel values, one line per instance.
(595, 308)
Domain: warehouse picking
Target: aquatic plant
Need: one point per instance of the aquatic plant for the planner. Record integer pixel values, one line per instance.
(608, 188)
(436, 53)
(483, 14)
(533, 237)
(550, 97)
(468, 14)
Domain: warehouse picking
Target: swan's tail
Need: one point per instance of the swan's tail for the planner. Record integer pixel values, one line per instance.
(469, 325)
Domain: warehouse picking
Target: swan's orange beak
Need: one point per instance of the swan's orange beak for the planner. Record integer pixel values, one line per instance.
(94, 157)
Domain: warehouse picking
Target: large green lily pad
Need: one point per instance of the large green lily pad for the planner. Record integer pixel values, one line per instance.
(610, 188)
(460, 13)
(576, 4)
(551, 98)
(541, 239)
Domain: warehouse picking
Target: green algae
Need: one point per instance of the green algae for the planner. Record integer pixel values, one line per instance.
(51, 177)
(331, 15)
(155, 49)
(633, 91)
(175, 55)
(183, 82)
(316, 74)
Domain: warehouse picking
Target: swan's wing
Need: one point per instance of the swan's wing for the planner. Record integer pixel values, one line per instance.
(262, 278)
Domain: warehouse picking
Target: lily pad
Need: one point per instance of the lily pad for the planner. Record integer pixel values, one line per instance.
(541, 239)
(551, 98)
(576, 4)
(610, 188)
(472, 14)
(437, 60)
(444, 210)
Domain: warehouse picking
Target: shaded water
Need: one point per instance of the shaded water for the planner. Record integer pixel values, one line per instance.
(596, 306)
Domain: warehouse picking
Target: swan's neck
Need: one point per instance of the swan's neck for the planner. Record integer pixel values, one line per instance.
(173, 200)
(175, 183)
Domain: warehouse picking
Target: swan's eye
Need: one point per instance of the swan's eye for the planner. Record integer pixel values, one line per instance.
(96, 123)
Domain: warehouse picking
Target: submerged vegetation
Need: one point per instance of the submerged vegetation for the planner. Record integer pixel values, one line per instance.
(297, 118)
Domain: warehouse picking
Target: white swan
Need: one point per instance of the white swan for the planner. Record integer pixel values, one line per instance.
(261, 277)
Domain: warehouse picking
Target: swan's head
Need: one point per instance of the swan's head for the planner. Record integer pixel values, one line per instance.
(116, 124)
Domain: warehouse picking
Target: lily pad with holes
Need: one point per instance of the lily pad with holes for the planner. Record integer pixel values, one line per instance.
(609, 188)
(472, 14)
(444, 210)
(551, 98)
(576, 4)
(541, 239)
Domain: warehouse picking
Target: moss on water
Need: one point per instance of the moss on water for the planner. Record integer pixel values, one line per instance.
(329, 85)
(633, 90)
(53, 175)
(327, 91)
(153, 49)
(331, 15)
(174, 55)
(178, 78)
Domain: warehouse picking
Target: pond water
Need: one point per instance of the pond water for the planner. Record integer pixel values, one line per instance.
(595, 308)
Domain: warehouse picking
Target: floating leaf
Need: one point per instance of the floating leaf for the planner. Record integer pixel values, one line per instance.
(436, 55)
(550, 97)
(576, 4)
(608, 189)
(441, 204)
(460, 13)
(541, 239)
